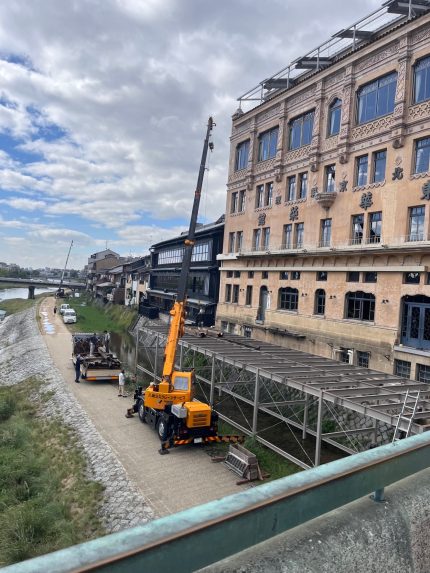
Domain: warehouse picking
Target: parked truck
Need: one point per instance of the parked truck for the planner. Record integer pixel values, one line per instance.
(169, 406)
(100, 365)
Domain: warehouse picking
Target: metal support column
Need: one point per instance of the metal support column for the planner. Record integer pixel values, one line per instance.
(212, 391)
(256, 403)
(181, 356)
(305, 416)
(319, 430)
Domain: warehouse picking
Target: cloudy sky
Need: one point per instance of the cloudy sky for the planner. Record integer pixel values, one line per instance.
(104, 105)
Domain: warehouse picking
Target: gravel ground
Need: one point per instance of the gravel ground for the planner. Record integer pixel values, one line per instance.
(23, 353)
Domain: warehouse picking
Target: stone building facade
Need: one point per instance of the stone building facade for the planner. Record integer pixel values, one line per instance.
(326, 242)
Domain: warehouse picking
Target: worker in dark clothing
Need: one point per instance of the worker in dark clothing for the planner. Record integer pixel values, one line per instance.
(55, 310)
(78, 368)
(93, 344)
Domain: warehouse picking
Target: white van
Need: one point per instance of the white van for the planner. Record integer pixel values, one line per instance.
(64, 307)
(69, 316)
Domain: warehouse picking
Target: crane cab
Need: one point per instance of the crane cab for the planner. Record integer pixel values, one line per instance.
(158, 396)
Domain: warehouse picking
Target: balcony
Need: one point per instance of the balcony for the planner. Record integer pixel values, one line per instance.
(325, 199)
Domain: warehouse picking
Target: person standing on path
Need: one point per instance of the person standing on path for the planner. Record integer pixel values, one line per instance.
(107, 341)
(78, 368)
(121, 384)
(55, 310)
(93, 343)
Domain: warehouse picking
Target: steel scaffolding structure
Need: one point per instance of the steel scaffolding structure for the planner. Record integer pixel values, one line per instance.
(261, 388)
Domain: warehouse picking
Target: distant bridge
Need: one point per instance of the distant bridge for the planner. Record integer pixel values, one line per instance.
(37, 283)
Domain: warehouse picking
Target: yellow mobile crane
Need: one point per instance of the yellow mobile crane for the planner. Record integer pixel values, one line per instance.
(169, 406)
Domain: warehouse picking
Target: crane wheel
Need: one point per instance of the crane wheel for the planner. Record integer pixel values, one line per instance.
(142, 413)
(163, 429)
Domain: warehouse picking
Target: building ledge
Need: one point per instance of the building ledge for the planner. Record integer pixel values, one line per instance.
(411, 350)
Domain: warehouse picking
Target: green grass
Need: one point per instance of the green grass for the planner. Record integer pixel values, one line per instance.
(16, 305)
(46, 500)
(92, 317)
(10, 285)
(270, 462)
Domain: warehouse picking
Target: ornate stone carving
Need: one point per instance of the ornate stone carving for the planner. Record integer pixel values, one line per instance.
(316, 126)
(242, 127)
(314, 191)
(278, 199)
(421, 35)
(326, 200)
(398, 142)
(378, 57)
(274, 111)
(366, 200)
(294, 213)
(368, 186)
(397, 173)
(314, 167)
(297, 154)
(329, 144)
(398, 110)
(302, 97)
(343, 158)
(265, 165)
(334, 79)
(278, 177)
(401, 78)
(261, 219)
(372, 128)
(419, 111)
(426, 191)
(343, 186)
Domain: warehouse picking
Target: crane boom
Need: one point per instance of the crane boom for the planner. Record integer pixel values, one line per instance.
(177, 313)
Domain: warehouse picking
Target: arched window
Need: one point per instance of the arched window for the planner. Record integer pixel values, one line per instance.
(319, 301)
(334, 115)
(422, 80)
(360, 306)
(288, 298)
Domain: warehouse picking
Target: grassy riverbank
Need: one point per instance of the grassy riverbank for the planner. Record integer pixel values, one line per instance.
(10, 285)
(95, 317)
(46, 501)
(13, 305)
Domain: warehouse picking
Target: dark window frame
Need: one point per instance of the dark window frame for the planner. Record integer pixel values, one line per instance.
(242, 155)
(288, 299)
(319, 305)
(268, 144)
(300, 130)
(360, 306)
(376, 98)
(334, 117)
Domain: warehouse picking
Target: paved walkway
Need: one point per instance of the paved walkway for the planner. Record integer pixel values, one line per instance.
(184, 478)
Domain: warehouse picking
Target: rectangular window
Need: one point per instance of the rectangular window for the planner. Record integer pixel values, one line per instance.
(247, 331)
(422, 155)
(267, 143)
(236, 274)
(235, 296)
(241, 159)
(353, 277)
(357, 229)
(266, 238)
(422, 80)
(325, 233)
(361, 170)
(321, 275)
(264, 274)
(303, 185)
(248, 297)
(234, 199)
(377, 98)
(379, 163)
(375, 227)
(300, 232)
(256, 238)
(363, 359)
(287, 236)
(239, 241)
(370, 277)
(402, 368)
(295, 275)
(288, 298)
(259, 196)
(227, 293)
(319, 301)
(283, 275)
(416, 223)
(231, 239)
(224, 325)
(291, 188)
(334, 116)
(301, 130)
(329, 179)
(423, 373)
(229, 274)
(411, 278)
(269, 194)
(250, 274)
(242, 201)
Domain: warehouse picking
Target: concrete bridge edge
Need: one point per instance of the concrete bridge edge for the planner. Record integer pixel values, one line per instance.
(390, 537)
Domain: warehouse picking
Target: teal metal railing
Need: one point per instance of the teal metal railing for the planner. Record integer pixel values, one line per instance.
(197, 537)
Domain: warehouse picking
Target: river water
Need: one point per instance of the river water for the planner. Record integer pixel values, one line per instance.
(22, 292)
